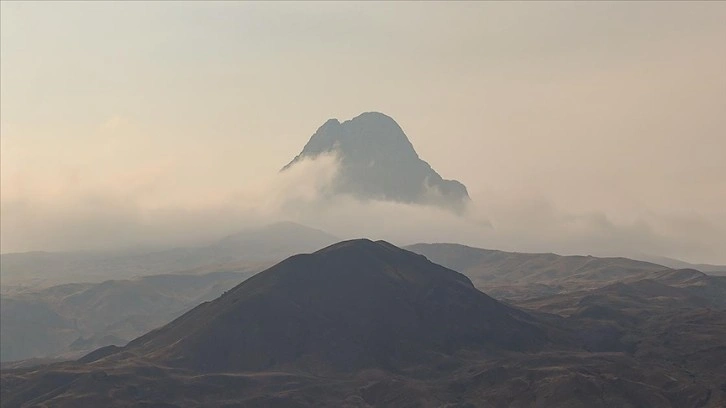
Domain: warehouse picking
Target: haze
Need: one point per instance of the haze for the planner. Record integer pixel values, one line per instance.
(590, 127)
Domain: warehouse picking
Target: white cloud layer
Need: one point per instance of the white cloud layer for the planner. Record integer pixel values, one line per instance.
(111, 217)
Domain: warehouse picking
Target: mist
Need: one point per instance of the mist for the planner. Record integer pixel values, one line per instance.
(593, 128)
(97, 218)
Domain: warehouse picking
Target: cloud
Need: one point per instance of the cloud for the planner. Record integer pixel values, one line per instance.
(578, 128)
(88, 214)
(115, 215)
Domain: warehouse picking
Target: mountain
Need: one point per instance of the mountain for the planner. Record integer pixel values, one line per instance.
(66, 320)
(72, 319)
(357, 304)
(123, 295)
(366, 324)
(253, 247)
(377, 161)
(272, 242)
(513, 275)
(69, 319)
(648, 318)
(678, 264)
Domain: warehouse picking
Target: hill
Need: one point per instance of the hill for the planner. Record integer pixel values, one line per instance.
(72, 319)
(357, 304)
(513, 275)
(364, 323)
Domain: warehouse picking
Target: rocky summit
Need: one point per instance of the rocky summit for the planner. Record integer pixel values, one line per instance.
(378, 162)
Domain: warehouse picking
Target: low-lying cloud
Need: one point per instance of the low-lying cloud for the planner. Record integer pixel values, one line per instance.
(114, 216)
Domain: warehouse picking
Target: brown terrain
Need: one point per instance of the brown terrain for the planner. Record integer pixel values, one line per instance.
(365, 323)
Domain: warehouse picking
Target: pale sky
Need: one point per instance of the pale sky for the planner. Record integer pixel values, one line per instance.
(576, 126)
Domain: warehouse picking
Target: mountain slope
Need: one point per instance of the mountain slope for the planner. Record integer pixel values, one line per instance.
(513, 274)
(68, 319)
(364, 324)
(377, 161)
(353, 305)
(74, 318)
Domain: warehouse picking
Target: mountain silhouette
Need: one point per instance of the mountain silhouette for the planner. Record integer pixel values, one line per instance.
(377, 161)
(353, 305)
(367, 324)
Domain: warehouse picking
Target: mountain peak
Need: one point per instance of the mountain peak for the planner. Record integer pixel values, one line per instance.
(375, 117)
(358, 244)
(355, 304)
(377, 161)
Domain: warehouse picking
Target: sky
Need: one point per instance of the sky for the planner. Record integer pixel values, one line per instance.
(578, 127)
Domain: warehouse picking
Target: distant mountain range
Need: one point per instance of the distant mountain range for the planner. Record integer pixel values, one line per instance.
(255, 247)
(678, 264)
(514, 274)
(63, 304)
(377, 161)
(363, 323)
(69, 319)
(520, 277)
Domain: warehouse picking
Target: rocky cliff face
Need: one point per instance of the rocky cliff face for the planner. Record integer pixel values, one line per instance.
(377, 161)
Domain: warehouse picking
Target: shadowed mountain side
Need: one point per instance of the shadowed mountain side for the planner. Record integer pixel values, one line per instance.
(597, 380)
(647, 319)
(353, 305)
(70, 319)
(377, 161)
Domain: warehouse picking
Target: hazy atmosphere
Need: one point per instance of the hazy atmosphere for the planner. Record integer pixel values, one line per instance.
(588, 128)
(363, 204)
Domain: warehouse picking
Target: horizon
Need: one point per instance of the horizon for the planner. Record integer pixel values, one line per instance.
(648, 258)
